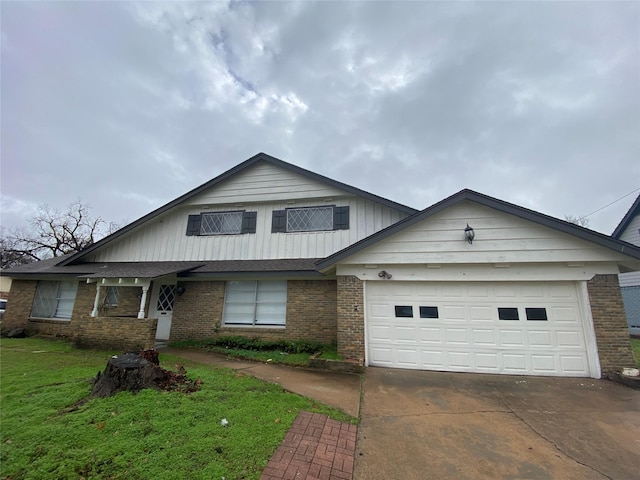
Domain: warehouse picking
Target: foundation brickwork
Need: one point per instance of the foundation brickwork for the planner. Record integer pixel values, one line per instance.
(115, 333)
(351, 318)
(197, 313)
(610, 323)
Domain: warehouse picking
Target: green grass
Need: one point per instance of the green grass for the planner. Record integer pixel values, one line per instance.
(635, 346)
(271, 356)
(145, 436)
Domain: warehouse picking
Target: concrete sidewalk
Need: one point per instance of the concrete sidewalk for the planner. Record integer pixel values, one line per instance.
(338, 390)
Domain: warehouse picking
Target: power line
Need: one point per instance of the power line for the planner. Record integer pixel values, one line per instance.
(615, 201)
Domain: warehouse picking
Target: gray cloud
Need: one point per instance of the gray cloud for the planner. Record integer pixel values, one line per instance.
(130, 105)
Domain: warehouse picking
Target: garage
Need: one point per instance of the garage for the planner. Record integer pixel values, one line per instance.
(522, 328)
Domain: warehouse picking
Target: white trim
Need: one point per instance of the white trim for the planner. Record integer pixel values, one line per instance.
(589, 330)
(96, 301)
(365, 321)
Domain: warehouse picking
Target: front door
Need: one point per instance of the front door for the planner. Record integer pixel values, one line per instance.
(162, 308)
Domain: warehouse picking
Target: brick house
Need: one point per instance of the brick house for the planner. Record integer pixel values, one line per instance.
(271, 250)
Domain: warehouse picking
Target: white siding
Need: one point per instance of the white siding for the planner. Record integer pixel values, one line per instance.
(500, 238)
(631, 234)
(630, 279)
(264, 183)
(164, 238)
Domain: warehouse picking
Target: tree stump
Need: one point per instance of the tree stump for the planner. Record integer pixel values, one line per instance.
(128, 372)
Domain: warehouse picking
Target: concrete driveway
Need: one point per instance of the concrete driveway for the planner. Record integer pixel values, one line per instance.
(433, 425)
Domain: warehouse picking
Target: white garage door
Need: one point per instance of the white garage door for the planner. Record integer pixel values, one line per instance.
(511, 328)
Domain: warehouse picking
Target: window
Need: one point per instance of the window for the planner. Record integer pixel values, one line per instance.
(404, 311)
(221, 223)
(255, 303)
(538, 314)
(112, 298)
(54, 299)
(428, 312)
(508, 313)
(310, 219)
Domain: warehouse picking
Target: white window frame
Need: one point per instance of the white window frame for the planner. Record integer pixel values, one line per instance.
(112, 297)
(255, 303)
(223, 222)
(57, 306)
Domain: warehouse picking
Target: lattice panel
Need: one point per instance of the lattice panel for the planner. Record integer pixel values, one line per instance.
(310, 219)
(166, 296)
(221, 223)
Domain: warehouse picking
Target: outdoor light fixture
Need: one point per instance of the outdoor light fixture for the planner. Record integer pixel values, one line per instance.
(385, 275)
(180, 290)
(469, 234)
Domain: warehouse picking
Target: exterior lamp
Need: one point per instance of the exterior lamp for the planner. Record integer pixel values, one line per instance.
(469, 234)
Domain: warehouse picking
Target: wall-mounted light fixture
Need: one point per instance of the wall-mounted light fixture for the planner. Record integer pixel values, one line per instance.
(469, 234)
(385, 275)
(180, 290)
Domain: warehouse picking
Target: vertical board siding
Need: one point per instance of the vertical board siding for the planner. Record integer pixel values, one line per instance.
(165, 239)
(500, 238)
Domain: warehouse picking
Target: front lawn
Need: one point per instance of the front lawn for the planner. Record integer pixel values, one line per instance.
(149, 435)
(635, 346)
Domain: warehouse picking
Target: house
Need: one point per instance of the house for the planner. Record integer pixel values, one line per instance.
(271, 250)
(629, 230)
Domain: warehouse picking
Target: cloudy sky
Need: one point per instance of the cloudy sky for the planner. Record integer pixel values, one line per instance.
(129, 105)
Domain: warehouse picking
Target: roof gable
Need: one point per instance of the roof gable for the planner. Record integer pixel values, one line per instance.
(229, 174)
(494, 203)
(633, 212)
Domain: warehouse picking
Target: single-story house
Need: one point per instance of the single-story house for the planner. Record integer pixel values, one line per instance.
(629, 230)
(271, 250)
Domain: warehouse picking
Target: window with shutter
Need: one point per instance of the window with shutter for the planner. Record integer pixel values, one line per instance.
(310, 219)
(222, 223)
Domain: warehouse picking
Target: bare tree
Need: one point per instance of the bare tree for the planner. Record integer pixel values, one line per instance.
(52, 233)
(581, 221)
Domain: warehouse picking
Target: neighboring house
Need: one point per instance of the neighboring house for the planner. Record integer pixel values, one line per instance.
(271, 250)
(629, 231)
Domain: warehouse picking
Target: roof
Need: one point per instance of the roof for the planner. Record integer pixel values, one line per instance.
(296, 266)
(626, 220)
(500, 205)
(260, 157)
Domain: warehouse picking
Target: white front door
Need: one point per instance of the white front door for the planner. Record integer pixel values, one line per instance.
(161, 308)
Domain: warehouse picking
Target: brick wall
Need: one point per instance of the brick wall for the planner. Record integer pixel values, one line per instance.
(197, 313)
(610, 323)
(115, 333)
(19, 305)
(311, 313)
(351, 318)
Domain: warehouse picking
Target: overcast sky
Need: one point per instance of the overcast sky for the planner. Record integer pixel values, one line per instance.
(129, 105)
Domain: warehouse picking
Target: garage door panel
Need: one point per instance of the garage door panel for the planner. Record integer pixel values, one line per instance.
(487, 362)
(573, 364)
(568, 339)
(457, 336)
(484, 337)
(482, 313)
(432, 335)
(405, 334)
(511, 338)
(540, 338)
(380, 333)
(460, 360)
(543, 364)
(453, 312)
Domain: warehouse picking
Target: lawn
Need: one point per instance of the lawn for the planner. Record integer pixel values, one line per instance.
(635, 346)
(149, 435)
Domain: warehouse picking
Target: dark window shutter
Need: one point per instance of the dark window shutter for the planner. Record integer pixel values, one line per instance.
(249, 222)
(279, 221)
(341, 218)
(193, 225)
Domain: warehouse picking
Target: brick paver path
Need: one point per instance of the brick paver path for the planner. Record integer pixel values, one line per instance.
(315, 447)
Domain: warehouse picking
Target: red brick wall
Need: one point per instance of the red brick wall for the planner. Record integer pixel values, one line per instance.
(311, 313)
(351, 318)
(610, 323)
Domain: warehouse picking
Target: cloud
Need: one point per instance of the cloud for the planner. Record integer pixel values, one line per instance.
(130, 105)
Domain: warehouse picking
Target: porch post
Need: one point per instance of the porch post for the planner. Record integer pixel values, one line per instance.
(143, 301)
(96, 302)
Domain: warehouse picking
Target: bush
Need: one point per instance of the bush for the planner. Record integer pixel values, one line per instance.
(256, 344)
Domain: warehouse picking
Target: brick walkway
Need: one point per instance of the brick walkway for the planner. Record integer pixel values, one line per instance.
(315, 447)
